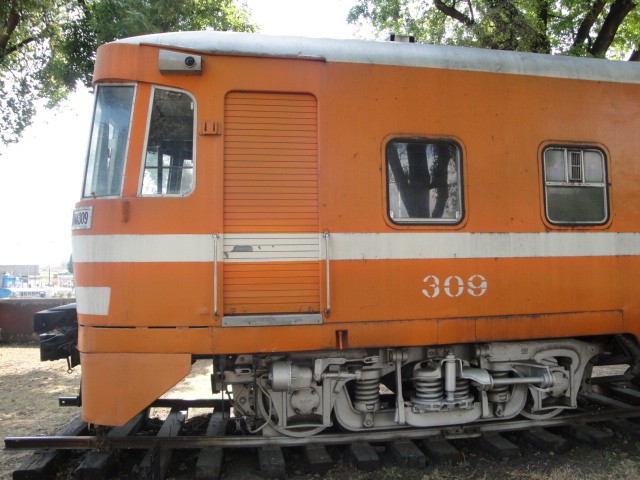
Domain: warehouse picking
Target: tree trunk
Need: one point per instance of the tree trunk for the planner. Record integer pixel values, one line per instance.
(541, 43)
(587, 23)
(619, 10)
(453, 13)
(10, 25)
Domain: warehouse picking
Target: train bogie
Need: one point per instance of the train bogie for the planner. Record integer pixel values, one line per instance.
(304, 393)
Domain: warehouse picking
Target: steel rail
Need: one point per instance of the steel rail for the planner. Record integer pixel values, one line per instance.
(217, 404)
(194, 442)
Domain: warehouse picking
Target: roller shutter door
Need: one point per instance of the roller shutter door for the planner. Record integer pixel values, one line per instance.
(271, 221)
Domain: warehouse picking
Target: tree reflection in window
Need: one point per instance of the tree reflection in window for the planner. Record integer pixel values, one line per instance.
(424, 181)
(169, 162)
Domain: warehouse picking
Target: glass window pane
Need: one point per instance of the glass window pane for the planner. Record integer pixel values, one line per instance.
(593, 166)
(576, 204)
(424, 183)
(554, 165)
(109, 138)
(578, 198)
(169, 145)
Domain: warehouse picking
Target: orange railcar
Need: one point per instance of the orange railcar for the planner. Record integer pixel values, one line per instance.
(322, 217)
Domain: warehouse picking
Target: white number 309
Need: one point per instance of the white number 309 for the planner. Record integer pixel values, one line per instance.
(454, 286)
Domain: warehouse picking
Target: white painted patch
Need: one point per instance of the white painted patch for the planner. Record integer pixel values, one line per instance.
(352, 246)
(271, 247)
(93, 300)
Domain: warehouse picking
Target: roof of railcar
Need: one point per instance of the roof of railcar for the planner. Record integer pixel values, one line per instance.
(395, 53)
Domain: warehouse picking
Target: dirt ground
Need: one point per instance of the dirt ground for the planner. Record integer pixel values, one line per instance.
(29, 391)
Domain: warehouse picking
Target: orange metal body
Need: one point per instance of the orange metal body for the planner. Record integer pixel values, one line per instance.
(501, 122)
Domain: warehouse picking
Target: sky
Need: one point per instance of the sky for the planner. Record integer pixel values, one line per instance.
(41, 176)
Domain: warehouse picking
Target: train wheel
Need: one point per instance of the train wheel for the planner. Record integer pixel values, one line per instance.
(541, 415)
(299, 429)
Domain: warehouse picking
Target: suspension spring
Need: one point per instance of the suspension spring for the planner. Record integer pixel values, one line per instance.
(499, 393)
(367, 394)
(462, 390)
(428, 390)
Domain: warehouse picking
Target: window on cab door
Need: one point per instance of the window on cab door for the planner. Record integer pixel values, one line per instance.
(109, 139)
(575, 186)
(169, 156)
(424, 181)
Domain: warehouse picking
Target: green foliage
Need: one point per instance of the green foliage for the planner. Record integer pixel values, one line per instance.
(598, 28)
(47, 46)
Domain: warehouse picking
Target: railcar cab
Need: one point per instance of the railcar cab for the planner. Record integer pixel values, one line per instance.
(318, 231)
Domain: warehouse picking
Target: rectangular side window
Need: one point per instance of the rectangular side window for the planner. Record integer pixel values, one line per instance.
(424, 181)
(169, 160)
(575, 186)
(109, 140)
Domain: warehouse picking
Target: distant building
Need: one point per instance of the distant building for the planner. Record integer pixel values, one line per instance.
(32, 280)
(21, 270)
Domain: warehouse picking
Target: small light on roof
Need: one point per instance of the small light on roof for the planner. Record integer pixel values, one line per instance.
(394, 37)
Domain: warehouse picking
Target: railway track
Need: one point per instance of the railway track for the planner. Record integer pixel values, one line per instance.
(150, 448)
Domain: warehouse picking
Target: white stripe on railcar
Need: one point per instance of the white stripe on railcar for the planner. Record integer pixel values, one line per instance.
(93, 300)
(351, 246)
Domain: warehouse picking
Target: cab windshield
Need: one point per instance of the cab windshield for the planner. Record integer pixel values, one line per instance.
(109, 138)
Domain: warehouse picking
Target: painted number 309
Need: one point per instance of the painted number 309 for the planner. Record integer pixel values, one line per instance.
(454, 286)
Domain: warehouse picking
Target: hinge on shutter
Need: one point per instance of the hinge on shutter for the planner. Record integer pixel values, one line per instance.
(209, 127)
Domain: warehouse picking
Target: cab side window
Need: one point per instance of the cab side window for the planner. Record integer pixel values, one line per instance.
(575, 186)
(169, 156)
(424, 181)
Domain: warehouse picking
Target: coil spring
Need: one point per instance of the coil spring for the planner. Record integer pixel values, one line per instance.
(428, 390)
(367, 392)
(500, 389)
(462, 390)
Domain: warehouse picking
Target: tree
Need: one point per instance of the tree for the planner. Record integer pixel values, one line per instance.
(597, 28)
(47, 46)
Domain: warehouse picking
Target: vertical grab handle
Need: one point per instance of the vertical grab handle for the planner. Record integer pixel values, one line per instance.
(326, 235)
(216, 238)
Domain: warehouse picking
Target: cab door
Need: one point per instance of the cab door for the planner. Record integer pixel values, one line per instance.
(271, 240)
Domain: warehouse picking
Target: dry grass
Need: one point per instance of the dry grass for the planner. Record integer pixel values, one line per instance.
(29, 391)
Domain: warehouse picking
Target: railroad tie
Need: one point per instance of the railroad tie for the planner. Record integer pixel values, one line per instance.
(41, 464)
(97, 465)
(545, 440)
(624, 427)
(407, 454)
(156, 461)
(441, 451)
(318, 459)
(498, 446)
(271, 462)
(596, 437)
(627, 393)
(210, 459)
(364, 456)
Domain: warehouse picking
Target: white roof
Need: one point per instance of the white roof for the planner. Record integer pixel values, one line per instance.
(395, 53)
